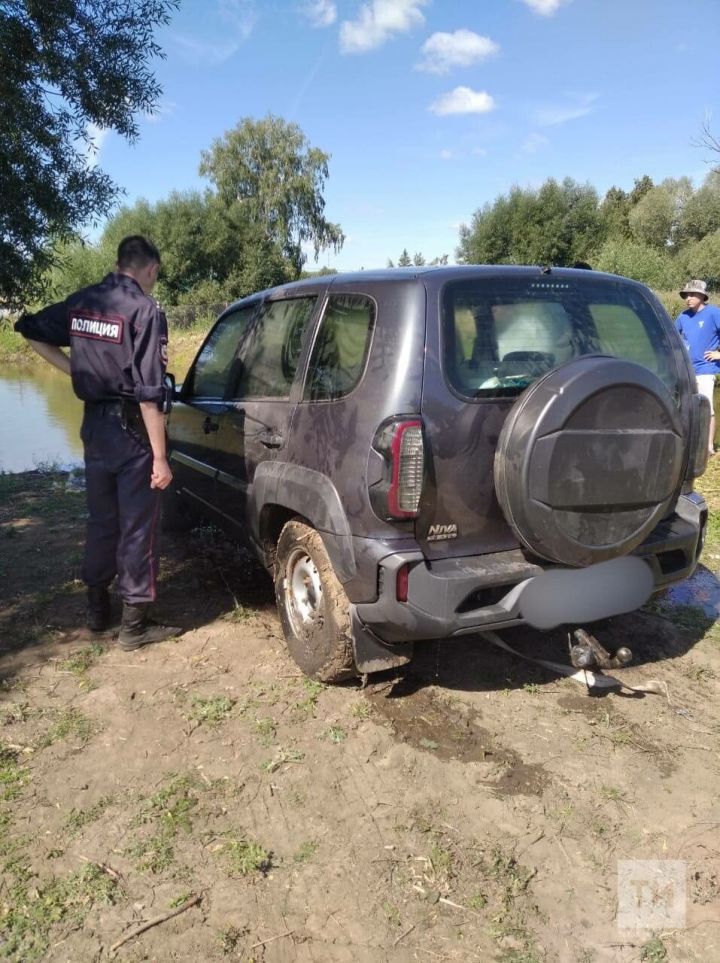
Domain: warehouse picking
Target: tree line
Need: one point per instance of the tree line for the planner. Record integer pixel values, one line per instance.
(660, 234)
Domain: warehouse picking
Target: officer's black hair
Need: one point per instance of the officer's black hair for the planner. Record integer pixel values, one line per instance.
(135, 251)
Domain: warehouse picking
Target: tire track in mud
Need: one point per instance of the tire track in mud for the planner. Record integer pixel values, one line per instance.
(451, 732)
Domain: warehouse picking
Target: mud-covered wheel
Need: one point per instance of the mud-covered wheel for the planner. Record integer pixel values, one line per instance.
(313, 607)
(175, 515)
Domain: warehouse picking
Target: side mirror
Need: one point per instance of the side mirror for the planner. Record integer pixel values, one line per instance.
(169, 385)
(169, 393)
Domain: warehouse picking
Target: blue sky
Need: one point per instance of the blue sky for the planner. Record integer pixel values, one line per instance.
(431, 108)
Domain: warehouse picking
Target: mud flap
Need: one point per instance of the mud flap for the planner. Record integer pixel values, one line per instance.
(373, 655)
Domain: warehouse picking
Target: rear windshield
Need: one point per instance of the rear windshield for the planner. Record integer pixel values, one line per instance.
(501, 334)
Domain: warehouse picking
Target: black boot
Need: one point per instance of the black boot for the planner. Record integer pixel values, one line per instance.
(98, 608)
(137, 629)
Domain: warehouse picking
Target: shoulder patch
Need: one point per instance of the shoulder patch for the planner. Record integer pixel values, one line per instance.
(85, 324)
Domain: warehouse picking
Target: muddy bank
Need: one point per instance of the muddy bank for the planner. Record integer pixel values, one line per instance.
(471, 807)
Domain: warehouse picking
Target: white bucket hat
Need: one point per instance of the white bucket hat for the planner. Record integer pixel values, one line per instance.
(695, 287)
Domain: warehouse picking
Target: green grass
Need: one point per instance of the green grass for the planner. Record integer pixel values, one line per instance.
(167, 813)
(282, 757)
(312, 690)
(154, 854)
(13, 776)
(29, 916)
(212, 710)
(654, 951)
(80, 661)
(173, 805)
(305, 852)
(335, 734)
(69, 723)
(79, 818)
(243, 856)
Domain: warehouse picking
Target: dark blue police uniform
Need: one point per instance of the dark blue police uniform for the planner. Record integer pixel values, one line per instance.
(118, 354)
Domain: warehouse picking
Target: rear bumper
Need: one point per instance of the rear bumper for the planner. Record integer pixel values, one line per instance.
(459, 596)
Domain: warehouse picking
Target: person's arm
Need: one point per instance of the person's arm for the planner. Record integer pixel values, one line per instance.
(51, 353)
(155, 423)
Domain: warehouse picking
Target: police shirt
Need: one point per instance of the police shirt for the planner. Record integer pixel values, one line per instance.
(117, 336)
(701, 332)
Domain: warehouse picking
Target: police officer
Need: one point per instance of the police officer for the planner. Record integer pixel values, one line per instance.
(118, 353)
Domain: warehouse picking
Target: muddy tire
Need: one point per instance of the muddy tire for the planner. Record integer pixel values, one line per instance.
(313, 607)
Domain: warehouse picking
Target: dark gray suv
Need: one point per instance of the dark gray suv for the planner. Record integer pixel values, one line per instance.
(426, 453)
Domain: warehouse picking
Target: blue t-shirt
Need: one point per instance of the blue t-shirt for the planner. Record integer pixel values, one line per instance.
(701, 333)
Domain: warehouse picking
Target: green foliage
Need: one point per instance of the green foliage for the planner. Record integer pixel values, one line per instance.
(27, 919)
(68, 71)
(268, 168)
(13, 776)
(655, 219)
(700, 215)
(404, 260)
(244, 856)
(639, 261)
(212, 710)
(556, 224)
(701, 259)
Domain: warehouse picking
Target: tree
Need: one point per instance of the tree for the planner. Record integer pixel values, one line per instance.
(404, 260)
(555, 224)
(654, 220)
(418, 260)
(614, 212)
(700, 215)
(68, 68)
(642, 262)
(702, 260)
(269, 168)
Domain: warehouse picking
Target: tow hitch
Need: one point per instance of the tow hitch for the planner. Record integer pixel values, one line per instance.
(587, 653)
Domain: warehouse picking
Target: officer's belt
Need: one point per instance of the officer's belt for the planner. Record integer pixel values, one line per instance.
(113, 406)
(126, 410)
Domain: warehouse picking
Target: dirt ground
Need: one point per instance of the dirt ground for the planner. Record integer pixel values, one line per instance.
(471, 806)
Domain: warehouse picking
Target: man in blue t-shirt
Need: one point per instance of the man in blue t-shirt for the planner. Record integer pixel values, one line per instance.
(699, 327)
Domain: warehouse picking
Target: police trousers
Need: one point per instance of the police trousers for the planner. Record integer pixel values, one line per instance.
(123, 511)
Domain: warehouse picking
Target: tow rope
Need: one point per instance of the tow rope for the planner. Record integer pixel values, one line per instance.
(591, 680)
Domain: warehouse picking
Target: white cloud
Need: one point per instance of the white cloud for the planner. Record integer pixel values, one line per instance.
(377, 21)
(534, 142)
(554, 115)
(463, 100)
(237, 18)
(165, 109)
(95, 138)
(460, 49)
(546, 8)
(320, 13)
(241, 15)
(447, 154)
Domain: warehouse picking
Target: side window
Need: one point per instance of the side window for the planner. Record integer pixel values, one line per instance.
(341, 347)
(268, 357)
(214, 363)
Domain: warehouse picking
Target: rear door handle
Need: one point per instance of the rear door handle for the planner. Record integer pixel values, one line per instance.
(271, 439)
(209, 425)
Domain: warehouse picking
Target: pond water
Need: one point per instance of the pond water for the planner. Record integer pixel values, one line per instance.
(41, 417)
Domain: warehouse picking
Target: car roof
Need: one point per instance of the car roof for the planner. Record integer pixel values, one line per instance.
(437, 274)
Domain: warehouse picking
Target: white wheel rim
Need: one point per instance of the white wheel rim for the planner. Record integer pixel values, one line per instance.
(303, 590)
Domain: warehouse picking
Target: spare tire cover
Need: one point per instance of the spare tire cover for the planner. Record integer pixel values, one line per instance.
(589, 460)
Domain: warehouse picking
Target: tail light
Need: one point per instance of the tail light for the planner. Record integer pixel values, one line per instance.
(402, 582)
(397, 495)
